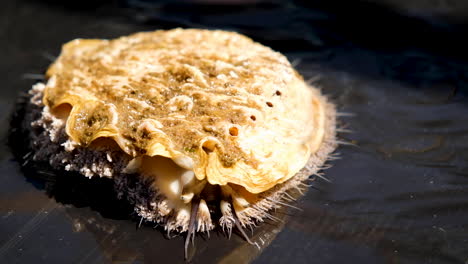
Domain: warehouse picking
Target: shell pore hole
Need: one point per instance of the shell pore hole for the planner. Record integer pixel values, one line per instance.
(209, 146)
(270, 104)
(278, 93)
(253, 117)
(234, 131)
(62, 111)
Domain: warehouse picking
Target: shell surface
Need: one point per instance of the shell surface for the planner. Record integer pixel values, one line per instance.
(216, 103)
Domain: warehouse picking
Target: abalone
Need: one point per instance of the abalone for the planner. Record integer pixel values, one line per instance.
(208, 120)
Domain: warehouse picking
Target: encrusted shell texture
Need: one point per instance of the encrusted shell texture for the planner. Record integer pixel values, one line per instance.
(215, 102)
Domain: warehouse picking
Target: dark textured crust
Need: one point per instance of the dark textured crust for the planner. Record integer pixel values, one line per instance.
(50, 143)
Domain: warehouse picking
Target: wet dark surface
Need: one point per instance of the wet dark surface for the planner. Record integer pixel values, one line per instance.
(399, 196)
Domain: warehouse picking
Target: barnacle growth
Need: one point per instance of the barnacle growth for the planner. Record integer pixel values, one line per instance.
(210, 119)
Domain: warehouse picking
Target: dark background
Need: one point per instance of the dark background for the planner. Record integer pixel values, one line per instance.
(398, 68)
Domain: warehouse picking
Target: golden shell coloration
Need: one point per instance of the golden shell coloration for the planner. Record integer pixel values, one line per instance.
(200, 113)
